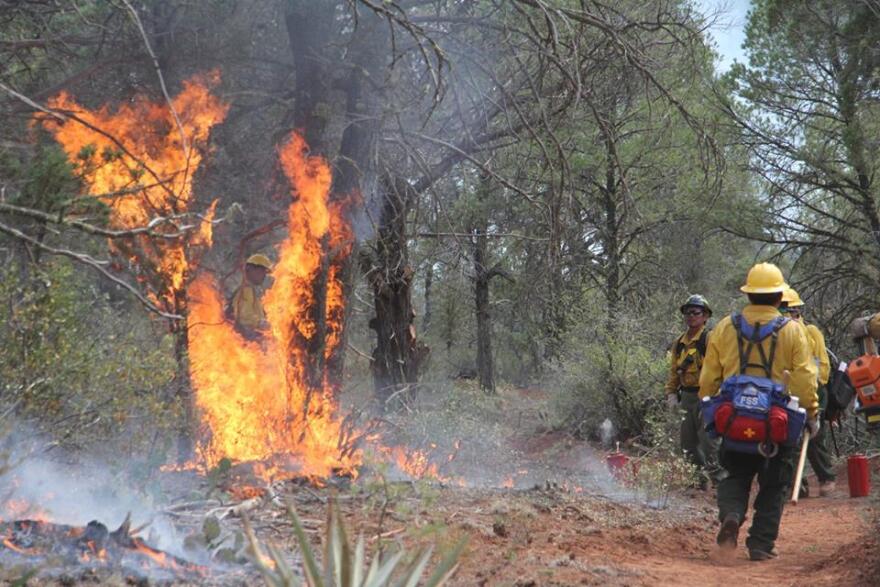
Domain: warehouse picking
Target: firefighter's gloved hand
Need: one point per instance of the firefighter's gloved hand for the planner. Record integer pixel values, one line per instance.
(813, 427)
(671, 402)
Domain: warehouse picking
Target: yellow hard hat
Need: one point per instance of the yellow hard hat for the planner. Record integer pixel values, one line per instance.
(260, 261)
(764, 278)
(793, 298)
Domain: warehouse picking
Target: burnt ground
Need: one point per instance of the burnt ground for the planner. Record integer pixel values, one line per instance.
(553, 536)
(560, 520)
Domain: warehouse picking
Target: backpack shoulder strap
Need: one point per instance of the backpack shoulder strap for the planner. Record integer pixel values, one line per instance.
(679, 345)
(701, 342)
(778, 323)
(749, 336)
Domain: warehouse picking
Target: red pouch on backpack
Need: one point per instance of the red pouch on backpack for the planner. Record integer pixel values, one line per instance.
(778, 424)
(744, 428)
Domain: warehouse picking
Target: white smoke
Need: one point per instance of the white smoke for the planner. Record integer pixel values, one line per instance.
(75, 493)
(607, 432)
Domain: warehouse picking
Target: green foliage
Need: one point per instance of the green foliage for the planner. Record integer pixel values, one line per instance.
(74, 371)
(617, 375)
(662, 468)
(344, 566)
(48, 180)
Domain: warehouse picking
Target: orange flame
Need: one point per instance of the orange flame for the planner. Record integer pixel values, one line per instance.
(18, 509)
(157, 556)
(256, 399)
(135, 161)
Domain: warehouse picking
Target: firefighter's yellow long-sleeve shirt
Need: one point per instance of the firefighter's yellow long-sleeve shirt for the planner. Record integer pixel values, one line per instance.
(820, 353)
(793, 354)
(684, 362)
(247, 308)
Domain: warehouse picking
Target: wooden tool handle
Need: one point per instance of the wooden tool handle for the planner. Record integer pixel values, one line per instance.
(799, 474)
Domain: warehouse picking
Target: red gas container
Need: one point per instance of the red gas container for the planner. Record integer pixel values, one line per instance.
(617, 464)
(858, 475)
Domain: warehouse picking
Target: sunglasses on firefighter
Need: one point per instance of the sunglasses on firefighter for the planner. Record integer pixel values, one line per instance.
(692, 313)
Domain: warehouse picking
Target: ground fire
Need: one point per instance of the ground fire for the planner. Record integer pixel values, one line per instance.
(91, 546)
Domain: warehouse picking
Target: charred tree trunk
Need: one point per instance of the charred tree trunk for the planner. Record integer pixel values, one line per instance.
(310, 28)
(611, 236)
(482, 276)
(398, 354)
(485, 361)
(355, 176)
(554, 315)
(429, 283)
(181, 392)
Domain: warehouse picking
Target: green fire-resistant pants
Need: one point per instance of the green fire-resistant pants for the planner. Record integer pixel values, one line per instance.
(695, 443)
(774, 482)
(820, 456)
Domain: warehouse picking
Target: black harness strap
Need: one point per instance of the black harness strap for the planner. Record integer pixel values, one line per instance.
(745, 346)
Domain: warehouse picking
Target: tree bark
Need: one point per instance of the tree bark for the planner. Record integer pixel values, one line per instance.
(398, 354)
(354, 178)
(310, 28)
(611, 236)
(429, 283)
(181, 391)
(485, 361)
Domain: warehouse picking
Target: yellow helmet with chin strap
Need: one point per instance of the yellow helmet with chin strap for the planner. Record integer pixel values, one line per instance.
(764, 278)
(260, 261)
(792, 298)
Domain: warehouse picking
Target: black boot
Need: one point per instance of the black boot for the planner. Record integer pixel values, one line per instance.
(729, 532)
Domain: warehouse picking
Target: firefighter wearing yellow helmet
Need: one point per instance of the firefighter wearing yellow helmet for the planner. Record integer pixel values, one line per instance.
(246, 306)
(818, 452)
(683, 384)
(768, 356)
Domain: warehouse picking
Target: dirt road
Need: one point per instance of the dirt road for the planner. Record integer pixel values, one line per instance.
(536, 540)
(819, 544)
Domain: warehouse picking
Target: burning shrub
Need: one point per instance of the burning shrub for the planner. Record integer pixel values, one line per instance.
(344, 565)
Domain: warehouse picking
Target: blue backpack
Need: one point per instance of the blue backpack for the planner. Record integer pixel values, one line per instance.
(754, 414)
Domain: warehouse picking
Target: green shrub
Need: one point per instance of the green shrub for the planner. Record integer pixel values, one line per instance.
(618, 376)
(662, 468)
(77, 369)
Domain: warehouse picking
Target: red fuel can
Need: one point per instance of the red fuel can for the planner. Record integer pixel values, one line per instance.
(617, 464)
(858, 475)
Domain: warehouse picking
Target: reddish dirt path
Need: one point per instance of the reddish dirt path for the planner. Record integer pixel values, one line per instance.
(535, 539)
(818, 545)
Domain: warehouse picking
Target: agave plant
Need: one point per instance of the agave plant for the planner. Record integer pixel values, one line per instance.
(344, 566)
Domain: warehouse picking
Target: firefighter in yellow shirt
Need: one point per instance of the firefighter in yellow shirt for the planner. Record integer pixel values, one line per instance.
(246, 306)
(683, 385)
(786, 350)
(818, 452)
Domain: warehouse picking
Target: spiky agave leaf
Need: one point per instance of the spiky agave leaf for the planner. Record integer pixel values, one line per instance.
(344, 567)
(357, 577)
(279, 576)
(310, 565)
(414, 572)
(447, 567)
(386, 567)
